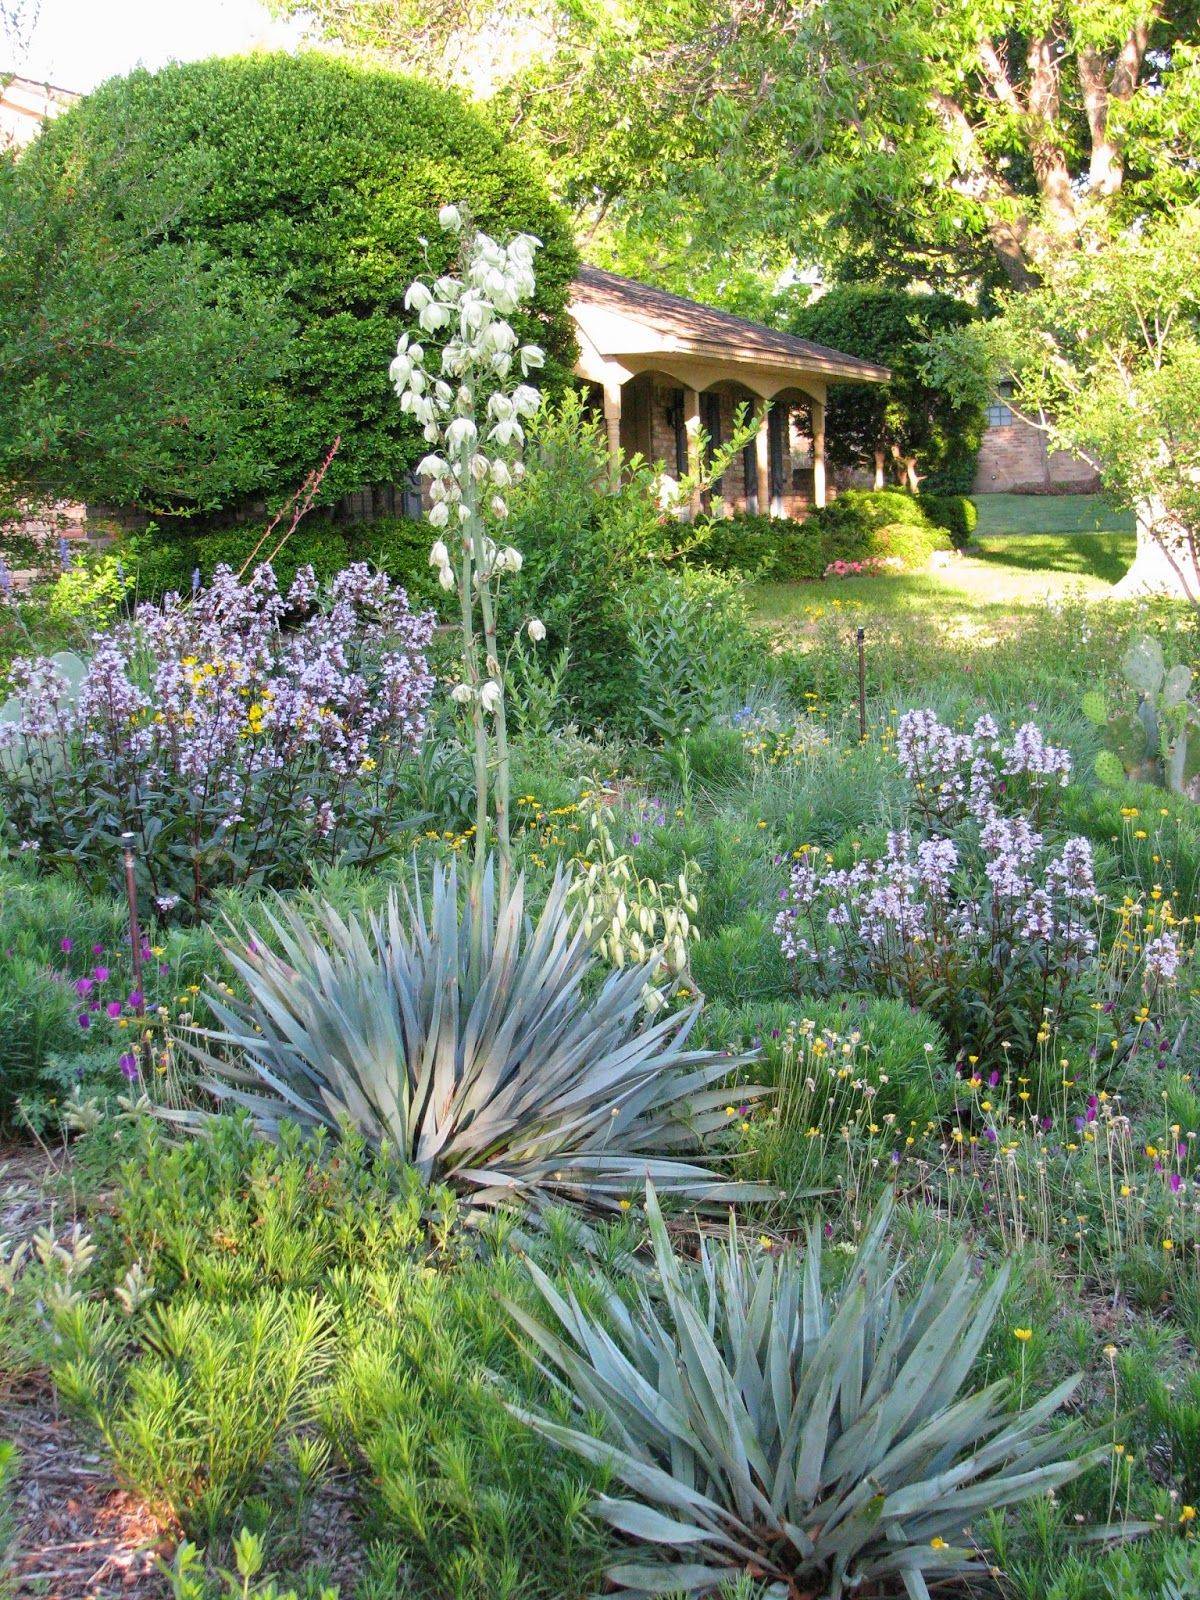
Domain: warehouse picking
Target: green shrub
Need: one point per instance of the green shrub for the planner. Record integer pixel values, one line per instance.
(767, 549)
(859, 525)
(407, 1398)
(189, 1581)
(866, 524)
(165, 562)
(288, 196)
(582, 547)
(400, 547)
(901, 1052)
(740, 962)
(956, 513)
(692, 648)
(191, 1416)
(9, 1461)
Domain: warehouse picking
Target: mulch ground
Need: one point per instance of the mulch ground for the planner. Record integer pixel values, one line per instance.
(78, 1534)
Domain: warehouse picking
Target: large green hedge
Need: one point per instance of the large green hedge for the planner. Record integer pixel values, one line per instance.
(911, 418)
(223, 246)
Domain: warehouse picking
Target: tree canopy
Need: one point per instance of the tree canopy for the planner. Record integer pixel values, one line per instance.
(202, 272)
(903, 136)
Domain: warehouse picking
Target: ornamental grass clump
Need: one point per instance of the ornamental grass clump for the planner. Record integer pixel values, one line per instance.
(243, 735)
(816, 1440)
(471, 1047)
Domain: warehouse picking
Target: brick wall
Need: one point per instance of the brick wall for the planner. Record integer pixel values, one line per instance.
(1013, 458)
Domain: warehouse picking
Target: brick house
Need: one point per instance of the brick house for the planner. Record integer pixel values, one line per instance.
(1014, 458)
(662, 368)
(24, 105)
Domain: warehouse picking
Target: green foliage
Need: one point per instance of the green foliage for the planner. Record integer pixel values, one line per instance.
(163, 560)
(740, 962)
(956, 513)
(772, 549)
(408, 1395)
(899, 1051)
(878, 524)
(490, 1075)
(9, 1461)
(910, 424)
(90, 592)
(691, 648)
(859, 525)
(189, 1581)
(1108, 346)
(582, 549)
(192, 1415)
(821, 1435)
(265, 214)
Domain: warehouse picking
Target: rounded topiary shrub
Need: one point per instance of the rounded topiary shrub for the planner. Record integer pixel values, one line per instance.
(877, 525)
(956, 513)
(284, 202)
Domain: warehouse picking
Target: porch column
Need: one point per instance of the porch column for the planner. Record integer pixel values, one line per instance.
(612, 430)
(818, 444)
(762, 458)
(691, 428)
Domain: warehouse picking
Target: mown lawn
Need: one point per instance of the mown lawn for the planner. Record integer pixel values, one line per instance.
(1049, 513)
(1030, 549)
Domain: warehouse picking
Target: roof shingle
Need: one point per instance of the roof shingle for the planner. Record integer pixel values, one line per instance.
(707, 328)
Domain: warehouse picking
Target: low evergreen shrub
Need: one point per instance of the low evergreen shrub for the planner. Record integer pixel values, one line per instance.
(956, 513)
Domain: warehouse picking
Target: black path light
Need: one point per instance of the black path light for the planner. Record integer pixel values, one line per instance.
(862, 686)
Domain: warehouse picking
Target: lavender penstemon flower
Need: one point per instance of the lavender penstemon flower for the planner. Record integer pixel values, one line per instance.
(989, 927)
(236, 748)
(958, 775)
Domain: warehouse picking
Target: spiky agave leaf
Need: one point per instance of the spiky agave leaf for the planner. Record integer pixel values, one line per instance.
(759, 1423)
(477, 1060)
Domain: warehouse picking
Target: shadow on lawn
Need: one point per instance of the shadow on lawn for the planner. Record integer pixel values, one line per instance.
(1089, 555)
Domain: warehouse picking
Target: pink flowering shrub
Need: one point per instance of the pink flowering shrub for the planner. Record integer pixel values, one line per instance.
(988, 927)
(868, 567)
(243, 735)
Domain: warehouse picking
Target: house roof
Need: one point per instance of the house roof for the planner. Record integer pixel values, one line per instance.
(686, 325)
(25, 104)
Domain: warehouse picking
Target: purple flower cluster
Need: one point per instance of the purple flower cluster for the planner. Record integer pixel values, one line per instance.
(955, 775)
(992, 932)
(240, 738)
(1161, 958)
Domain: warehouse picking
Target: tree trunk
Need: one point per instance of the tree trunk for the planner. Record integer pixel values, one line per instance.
(1165, 562)
(879, 474)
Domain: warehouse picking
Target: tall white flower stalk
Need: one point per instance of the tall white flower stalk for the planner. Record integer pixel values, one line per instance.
(470, 397)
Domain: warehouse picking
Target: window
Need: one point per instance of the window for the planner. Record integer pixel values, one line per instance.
(999, 413)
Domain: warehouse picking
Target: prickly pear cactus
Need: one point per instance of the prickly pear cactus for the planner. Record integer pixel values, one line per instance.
(1158, 739)
(1143, 665)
